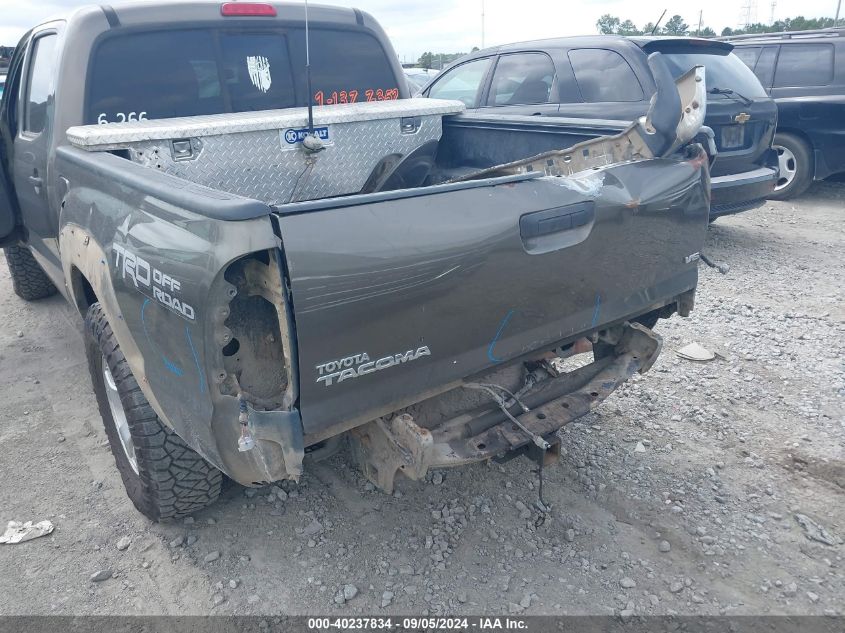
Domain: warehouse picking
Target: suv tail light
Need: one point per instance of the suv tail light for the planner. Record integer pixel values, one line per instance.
(247, 8)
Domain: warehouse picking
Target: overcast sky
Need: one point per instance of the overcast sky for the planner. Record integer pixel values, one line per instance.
(415, 26)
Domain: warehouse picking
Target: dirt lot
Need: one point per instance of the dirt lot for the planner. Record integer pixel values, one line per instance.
(681, 494)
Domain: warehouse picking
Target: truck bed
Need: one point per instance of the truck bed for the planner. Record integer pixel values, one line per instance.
(333, 311)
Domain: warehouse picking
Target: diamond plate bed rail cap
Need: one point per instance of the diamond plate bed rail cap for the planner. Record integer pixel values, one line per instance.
(117, 135)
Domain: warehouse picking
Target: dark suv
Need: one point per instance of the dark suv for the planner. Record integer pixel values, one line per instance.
(804, 72)
(608, 78)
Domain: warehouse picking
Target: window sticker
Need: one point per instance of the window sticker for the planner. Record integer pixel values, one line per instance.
(121, 117)
(259, 72)
(351, 96)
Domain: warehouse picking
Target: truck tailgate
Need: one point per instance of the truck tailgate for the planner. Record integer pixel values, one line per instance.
(399, 295)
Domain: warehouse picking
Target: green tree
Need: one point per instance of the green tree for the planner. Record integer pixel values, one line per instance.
(707, 32)
(648, 28)
(628, 28)
(607, 24)
(799, 23)
(676, 26)
(426, 60)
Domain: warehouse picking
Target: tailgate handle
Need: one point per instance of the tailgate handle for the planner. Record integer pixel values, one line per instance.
(572, 216)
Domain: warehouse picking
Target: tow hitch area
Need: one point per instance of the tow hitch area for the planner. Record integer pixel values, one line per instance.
(386, 446)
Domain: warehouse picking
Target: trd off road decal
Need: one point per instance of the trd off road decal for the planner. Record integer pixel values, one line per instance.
(151, 281)
(336, 371)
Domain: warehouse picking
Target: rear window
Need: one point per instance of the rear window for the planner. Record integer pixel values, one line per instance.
(155, 75)
(604, 76)
(804, 65)
(765, 67)
(346, 67)
(748, 55)
(721, 70)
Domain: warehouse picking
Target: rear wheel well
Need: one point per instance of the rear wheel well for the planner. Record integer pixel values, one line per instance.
(803, 136)
(83, 292)
(796, 132)
(797, 164)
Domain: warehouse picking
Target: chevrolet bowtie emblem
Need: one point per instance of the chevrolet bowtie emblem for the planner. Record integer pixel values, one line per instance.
(742, 117)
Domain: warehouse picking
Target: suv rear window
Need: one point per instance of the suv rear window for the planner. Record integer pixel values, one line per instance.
(187, 72)
(604, 76)
(804, 65)
(721, 70)
(748, 55)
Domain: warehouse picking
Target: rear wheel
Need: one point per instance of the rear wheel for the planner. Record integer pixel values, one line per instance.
(795, 160)
(163, 477)
(28, 280)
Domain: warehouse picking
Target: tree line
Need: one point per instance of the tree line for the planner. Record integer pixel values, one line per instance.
(439, 60)
(612, 25)
(789, 24)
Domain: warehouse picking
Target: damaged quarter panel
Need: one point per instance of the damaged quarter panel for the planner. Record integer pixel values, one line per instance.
(162, 268)
(397, 298)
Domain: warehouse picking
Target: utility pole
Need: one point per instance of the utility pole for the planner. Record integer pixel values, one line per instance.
(836, 19)
(748, 15)
(700, 13)
(772, 14)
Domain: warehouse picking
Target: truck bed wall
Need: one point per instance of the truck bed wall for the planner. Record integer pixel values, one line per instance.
(142, 239)
(485, 140)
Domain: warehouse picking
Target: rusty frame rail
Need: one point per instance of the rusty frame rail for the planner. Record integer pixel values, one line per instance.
(385, 447)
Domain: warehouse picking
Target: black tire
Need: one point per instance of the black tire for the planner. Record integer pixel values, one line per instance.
(172, 480)
(800, 166)
(28, 280)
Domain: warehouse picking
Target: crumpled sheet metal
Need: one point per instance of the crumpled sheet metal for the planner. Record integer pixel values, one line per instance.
(17, 532)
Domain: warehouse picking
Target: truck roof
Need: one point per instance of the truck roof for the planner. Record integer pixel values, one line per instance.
(166, 12)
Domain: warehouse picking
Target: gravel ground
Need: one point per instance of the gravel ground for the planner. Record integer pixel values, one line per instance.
(695, 489)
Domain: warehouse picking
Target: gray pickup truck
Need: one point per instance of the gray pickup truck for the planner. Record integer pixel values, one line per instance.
(261, 280)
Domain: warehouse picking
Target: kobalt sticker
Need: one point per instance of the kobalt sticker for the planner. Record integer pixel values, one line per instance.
(259, 72)
(336, 371)
(292, 137)
(151, 281)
